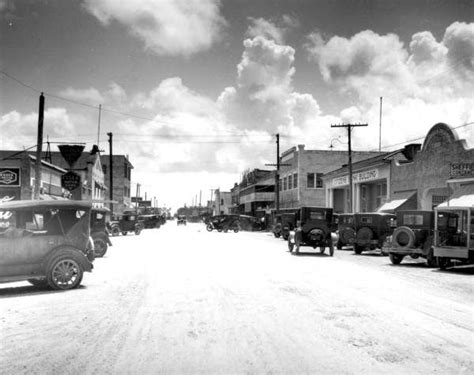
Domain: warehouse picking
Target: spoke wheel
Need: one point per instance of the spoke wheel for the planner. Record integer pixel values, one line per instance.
(65, 273)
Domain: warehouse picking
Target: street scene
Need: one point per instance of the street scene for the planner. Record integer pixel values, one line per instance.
(236, 187)
(180, 299)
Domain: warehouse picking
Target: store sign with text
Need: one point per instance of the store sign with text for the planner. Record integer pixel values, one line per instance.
(461, 170)
(373, 174)
(9, 176)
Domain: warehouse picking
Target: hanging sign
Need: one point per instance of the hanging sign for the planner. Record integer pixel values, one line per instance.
(70, 181)
(9, 176)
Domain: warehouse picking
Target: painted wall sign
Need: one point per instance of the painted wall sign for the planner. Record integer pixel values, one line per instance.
(461, 170)
(373, 174)
(9, 176)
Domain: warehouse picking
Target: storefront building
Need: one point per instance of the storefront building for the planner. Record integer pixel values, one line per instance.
(302, 171)
(17, 178)
(371, 181)
(442, 169)
(122, 180)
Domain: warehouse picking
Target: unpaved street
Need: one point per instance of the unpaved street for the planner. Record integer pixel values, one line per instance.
(182, 300)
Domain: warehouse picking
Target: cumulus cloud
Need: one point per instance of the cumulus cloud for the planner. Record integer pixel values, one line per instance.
(266, 29)
(19, 130)
(421, 84)
(167, 27)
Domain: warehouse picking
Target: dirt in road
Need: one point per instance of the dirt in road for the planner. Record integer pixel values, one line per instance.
(182, 300)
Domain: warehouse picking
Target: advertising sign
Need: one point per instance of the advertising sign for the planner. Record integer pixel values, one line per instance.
(9, 176)
(373, 174)
(70, 181)
(461, 170)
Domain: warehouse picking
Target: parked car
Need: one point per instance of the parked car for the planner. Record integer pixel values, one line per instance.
(413, 236)
(372, 230)
(181, 220)
(224, 223)
(345, 230)
(125, 223)
(284, 222)
(315, 228)
(151, 221)
(454, 236)
(47, 243)
(99, 231)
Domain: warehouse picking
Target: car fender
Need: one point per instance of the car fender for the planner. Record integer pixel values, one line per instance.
(73, 252)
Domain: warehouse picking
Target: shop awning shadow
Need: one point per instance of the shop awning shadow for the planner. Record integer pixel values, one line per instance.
(29, 290)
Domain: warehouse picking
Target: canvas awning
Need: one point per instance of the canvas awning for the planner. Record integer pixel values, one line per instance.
(49, 197)
(405, 200)
(462, 197)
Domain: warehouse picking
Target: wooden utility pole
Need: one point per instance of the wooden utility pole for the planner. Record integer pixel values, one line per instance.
(98, 126)
(380, 126)
(111, 175)
(39, 148)
(136, 197)
(349, 131)
(277, 173)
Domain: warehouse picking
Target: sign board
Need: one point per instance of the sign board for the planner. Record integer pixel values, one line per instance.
(71, 153)
(70, 181)
(461, 170)
(9, 176)
(373, 174)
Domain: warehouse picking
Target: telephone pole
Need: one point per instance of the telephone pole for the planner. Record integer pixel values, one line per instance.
(39, 148)
(111, 175)
(277, 173)
(349, 131)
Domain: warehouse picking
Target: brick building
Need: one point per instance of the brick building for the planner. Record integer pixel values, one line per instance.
(122, 177)
(301, 182)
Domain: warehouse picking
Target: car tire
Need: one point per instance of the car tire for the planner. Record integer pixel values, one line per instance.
(443, 263)
(209, 227)
(64, 272)
(38, 282)
(115, 231)
(403, 237)
(358, 249)
(137, 232)
(100, 247)
(322, 249)
(291, 246)
(331, 249)
(124, 233)
(395, 258)
(219, 230)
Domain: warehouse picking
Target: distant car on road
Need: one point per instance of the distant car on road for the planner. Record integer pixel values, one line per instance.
(372, 230)
(181, 220)
(126, 223)
(47, 243)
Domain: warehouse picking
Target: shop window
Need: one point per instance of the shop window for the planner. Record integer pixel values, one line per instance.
(295, 180)
(310, 181)
(319, 180)
(290, 182)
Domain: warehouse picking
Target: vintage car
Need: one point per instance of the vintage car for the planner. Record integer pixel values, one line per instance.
(345, 230)
(414, 236)
(47, 243)
(315, 229)
(223, 223)
(284, 222)
(181, 220)
(454, 236)
(151, 220)
(372, 230)
(125, 223)
(99, 231)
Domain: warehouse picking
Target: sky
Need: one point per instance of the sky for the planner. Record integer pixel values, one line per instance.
(194, 91)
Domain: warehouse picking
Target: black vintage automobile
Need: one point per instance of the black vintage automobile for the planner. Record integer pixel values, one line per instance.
(283, 222)
(99, 231)
(345, 230)
(125, 223)
(47, 243)
(151, 220)
(234, 223)
(181, 220)
(315, 229)
(372, 230)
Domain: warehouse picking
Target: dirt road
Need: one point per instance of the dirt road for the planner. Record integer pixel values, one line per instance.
(182, 300)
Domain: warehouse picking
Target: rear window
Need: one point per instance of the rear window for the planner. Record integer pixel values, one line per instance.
(366, 220)
(317, 215)
(412, 219)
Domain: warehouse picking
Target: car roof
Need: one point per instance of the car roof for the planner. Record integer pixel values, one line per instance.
(28, 204)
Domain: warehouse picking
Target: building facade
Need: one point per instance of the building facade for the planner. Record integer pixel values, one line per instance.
(301, 174)
(122, 180)
(17, 178)
(441, 169)
(223, 202)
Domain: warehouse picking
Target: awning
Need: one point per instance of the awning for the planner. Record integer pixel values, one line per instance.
(405, 200)
(49, 197)
(462, 197)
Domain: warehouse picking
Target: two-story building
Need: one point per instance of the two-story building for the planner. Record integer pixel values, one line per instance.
(121, 180)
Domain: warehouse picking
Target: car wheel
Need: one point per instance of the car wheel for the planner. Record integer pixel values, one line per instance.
(124, 233)
(219, 230)
(115, 231)
(38, 282)
(291, 246)
(100, 247)
(277, 235)
(236, 230)
(331, 249)
(64, 273)
(209, 227)
(358, 249)
(322, 249)
(443, 263)
(395, 258)
(137, 232)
